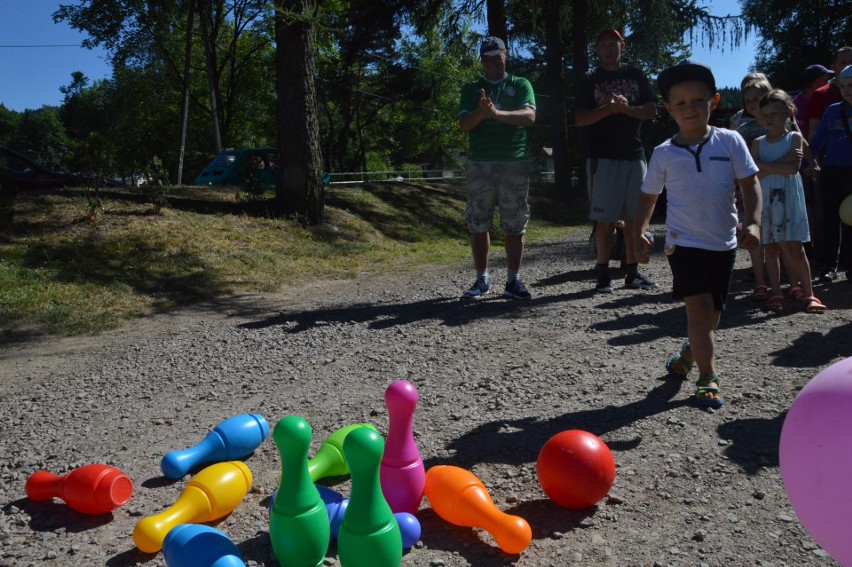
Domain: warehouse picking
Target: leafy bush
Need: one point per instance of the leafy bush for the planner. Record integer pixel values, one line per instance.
(156, 186)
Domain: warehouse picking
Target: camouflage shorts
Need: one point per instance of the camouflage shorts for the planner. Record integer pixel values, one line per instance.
(495, 184)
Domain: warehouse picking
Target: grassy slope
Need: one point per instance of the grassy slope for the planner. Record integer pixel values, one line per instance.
(64, 273)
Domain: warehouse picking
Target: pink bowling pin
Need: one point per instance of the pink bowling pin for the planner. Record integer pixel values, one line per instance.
(402, 473)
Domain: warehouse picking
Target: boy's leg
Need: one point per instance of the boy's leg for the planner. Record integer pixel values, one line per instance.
(757, 266)
(702, 320)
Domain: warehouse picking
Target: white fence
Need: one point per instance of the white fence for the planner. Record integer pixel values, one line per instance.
(409, 175)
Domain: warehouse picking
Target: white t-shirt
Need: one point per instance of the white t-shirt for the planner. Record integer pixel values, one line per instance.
(700, 182)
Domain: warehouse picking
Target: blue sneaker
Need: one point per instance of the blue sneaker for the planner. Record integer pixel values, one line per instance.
(479, 288)
(516, 289)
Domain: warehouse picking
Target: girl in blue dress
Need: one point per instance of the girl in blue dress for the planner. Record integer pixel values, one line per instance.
(784, 220)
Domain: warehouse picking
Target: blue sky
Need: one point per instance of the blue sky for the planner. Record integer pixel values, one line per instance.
(31, 73)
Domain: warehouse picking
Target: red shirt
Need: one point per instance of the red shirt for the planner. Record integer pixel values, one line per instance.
(822, 98)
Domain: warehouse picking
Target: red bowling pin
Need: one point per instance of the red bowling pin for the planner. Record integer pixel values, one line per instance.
(402, 472)
(460, 498)
(90, 489)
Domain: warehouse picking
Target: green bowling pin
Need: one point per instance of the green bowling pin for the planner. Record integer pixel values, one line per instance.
(369, 535)
(298, 522)
(329, 460)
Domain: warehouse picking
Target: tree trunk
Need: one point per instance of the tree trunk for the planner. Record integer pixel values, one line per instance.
(497, 19)
(553, 58)
(204, 14)
(299, 188)
(581, 65)
(185, 95)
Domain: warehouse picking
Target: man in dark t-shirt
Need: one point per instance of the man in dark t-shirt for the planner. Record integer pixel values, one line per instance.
(612, 101)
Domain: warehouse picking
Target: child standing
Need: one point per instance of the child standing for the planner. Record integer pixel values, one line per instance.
(746, 122)
(699, 167)
(832, 142)
(784, 219)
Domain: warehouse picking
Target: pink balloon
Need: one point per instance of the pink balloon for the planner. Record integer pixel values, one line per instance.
(816, 458)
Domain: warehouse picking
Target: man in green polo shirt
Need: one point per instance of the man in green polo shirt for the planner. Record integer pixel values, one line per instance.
(495, 110)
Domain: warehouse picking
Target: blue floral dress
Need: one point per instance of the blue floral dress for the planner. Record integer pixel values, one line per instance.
(784, 217)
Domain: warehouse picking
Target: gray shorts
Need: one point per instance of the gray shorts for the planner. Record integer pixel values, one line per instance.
(614, 187)
(497, 184)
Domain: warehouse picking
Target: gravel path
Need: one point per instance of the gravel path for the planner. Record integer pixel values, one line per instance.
(496, 380)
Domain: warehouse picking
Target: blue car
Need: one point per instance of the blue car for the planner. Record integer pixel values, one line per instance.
(237, 167)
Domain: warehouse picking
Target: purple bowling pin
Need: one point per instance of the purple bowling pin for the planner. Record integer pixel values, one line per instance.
(231, 440)
(409, 525)
(402, 473)
(335, 505)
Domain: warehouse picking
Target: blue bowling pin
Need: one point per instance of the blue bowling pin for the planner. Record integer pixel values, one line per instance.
(233, 439)
(195, 545)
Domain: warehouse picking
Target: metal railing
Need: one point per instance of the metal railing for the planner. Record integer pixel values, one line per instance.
(399, 175)
(407, 175)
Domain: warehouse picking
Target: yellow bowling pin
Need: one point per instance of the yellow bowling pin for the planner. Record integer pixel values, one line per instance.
(211, 494)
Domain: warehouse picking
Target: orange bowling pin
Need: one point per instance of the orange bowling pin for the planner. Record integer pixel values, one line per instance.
(211, 494)
(460, 498)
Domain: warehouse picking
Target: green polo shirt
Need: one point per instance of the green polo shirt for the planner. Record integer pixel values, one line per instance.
(492, 140)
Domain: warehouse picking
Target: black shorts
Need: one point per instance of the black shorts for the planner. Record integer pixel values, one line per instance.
(696, 271)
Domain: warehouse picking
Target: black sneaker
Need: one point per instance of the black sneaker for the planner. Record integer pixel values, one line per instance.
(604, 283)
(828, 275)
(639, 282)
(477, 290)
(516, 289)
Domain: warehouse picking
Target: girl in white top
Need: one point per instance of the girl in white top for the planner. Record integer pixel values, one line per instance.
(784, 220)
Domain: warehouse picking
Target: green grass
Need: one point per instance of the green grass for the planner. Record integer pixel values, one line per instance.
(66, 274)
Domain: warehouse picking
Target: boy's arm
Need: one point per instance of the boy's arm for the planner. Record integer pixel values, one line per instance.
(641, 223)
(750, 235)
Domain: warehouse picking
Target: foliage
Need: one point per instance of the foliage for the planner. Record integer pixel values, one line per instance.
(92, 156)
(797, 34)
(387, 74)
(8, 125)
(8, 194)
(40, 134)
(155, 184)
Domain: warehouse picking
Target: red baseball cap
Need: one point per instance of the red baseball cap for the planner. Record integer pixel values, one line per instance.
(607, 32)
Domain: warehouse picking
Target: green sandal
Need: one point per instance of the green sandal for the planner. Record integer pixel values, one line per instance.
(676, 366)
(703, 388)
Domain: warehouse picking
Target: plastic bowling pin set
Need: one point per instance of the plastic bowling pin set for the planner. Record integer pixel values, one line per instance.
(373, 527)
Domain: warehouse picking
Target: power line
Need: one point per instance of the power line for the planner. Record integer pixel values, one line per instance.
(45, 45)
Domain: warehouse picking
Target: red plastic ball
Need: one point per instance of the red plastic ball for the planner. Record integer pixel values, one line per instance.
(575, 469)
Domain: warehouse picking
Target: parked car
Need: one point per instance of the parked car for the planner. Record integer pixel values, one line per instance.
(27, 174)
(235, 167)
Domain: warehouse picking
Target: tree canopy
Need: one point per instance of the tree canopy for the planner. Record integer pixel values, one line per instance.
(386, 75)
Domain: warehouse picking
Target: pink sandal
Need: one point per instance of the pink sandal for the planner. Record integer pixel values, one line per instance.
(797, 294)
(775, 304)
(760, 294)
(813, 305)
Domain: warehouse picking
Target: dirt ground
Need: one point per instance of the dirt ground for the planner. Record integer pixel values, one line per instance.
(496, 379)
